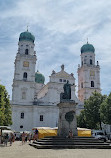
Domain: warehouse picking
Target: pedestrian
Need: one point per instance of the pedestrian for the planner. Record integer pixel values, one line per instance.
(70, 134)
(6, 137)
(23, 138)
(11, 138)
(36, 135)
(29, 137)
(26, 137)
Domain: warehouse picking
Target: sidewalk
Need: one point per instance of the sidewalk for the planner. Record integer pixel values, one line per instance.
(17, 150)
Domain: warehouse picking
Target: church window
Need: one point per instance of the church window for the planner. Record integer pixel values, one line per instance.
(82, 62)
(22, 115)
(23, 95)
(81, 84)
(92, 83)
(60, 80)
(25, 75)
(26, 51)
(64, 80)
(90, 61)
(41, 117)
(27, 45)
(21, 126)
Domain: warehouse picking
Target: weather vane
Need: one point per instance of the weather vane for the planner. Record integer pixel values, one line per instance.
(87, 40)
(27, 27)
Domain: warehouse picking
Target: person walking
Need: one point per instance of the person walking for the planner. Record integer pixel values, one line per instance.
(29, 137)
(36, 135)
(23, 138)
(11, 138)
(6, 137)
(26, 135)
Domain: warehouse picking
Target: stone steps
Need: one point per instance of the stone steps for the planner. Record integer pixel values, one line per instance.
(71, 140)
(71, 146)
(70, 143)
(56, 137)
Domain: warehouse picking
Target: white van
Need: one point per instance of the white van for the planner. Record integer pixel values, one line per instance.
(99, 134)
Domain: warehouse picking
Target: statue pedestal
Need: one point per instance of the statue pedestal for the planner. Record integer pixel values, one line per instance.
(67, 118)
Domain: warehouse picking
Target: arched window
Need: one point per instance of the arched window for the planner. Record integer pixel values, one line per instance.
(81, 84)
(25, 75)
(60, 80)
(85, 61)
(82, 62)
(23, 95)
(92, 83)
(90, 61)
(41, 117)
(26, 51)
(22, 115)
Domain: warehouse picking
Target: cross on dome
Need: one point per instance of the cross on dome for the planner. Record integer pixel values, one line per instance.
(62, 67)
(27, 28)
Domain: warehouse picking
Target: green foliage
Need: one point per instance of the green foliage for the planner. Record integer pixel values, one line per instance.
(81, 120)
(105, 110)
(5, 108)
(91, 114)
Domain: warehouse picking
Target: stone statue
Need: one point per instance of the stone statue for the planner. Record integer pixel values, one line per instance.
(67, 91)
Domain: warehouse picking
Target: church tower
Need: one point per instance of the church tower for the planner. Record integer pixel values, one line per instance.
(24, 75)
(88, 73)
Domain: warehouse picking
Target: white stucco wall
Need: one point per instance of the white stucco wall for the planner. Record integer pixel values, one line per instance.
(32, 117)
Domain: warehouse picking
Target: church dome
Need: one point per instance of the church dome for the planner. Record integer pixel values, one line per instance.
(39, 78)
(87, 48)
(26, 36)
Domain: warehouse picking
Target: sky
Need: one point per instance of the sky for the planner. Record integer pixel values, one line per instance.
(60, 28)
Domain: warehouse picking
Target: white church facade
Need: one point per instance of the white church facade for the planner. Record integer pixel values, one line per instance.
(34, 104)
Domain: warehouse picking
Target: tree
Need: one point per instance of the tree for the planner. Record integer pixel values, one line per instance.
(5, 108)
(81, 120)
(92, 110)
(105, 110)
(91, 114)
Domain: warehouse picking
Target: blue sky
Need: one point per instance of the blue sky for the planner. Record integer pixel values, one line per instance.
(60, 28)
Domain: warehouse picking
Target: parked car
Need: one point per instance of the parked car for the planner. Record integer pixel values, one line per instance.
(99, 134)
(17, 136)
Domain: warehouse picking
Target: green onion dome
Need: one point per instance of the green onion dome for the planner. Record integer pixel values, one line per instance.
(39, 78)
(87, 48)
(26, 36)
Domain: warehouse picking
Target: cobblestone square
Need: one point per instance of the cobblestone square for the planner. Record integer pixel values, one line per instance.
(17, 150)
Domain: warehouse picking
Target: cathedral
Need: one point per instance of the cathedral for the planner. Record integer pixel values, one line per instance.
(34, 104)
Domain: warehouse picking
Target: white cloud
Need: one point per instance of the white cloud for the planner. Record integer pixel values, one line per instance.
(61, 27)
